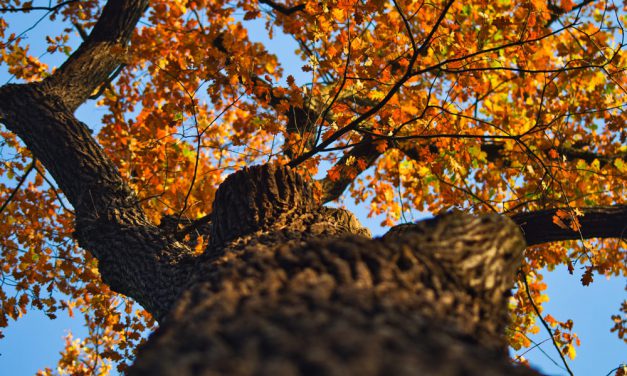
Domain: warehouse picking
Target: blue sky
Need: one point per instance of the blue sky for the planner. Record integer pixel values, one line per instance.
(34, 341)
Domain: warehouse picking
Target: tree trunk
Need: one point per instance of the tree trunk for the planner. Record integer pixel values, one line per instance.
(288, 287)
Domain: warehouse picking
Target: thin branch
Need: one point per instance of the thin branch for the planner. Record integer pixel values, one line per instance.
(557, 11)
(521, 42)
(28, 9)
(438, 135)
(373, 110)
(546, 326)
(195, 225)
(108, 83)
(339, 90)
(199, 134)
(536, 345)
(623, 366)
(17, 188)
(410, 34)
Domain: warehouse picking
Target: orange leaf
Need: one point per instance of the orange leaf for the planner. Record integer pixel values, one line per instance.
(558, 221)
(587, 278)
(334, 173)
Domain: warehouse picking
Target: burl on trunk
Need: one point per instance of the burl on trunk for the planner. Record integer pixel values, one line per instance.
(288, 287)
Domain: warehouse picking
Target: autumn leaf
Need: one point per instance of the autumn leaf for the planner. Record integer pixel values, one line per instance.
(560, 217)
(567, 5)
(334, 174)
(251, 15)
(553, 154)
(587, 276)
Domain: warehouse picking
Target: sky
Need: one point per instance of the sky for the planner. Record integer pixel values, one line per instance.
(34, 341)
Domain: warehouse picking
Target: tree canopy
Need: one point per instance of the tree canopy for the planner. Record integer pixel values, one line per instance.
(512, 107)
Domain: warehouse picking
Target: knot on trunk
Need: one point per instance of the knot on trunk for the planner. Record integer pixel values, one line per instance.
(482, 251)
(258, 197)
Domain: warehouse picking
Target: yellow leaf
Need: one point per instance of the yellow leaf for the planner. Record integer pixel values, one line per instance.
(338, 14)
(376, 95)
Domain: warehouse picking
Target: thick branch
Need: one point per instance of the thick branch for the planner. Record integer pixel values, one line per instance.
(98, 57)
(538, 226)
(282, 8)
(136, 258)
(597, 222)
(557, 11)
(41, 115)
(494, 152)
(253, 198)
(365, 151)
(432, 302)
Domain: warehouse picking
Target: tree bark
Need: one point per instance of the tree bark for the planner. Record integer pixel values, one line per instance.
(136, 258)
(596, 222)
(297, 288)
(99, 55)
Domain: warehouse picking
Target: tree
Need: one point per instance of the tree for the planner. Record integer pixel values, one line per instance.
(507, 107)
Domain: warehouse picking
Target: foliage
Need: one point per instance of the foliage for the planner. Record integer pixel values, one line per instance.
(505, 106)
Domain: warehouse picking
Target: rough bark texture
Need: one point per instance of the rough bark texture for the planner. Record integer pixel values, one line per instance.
(136, 258)
(96, 58)
(306, 292)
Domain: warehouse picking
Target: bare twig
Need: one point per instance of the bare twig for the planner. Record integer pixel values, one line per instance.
(28, 9)
(391, 93)
(17, 188)
(546, 326)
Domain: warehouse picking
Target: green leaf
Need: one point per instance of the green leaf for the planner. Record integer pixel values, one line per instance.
(188, 153)
(619, 164)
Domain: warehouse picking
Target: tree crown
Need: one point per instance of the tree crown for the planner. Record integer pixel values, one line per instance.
(513, 107)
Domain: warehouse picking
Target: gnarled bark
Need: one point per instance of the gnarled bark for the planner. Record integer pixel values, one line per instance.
(301, 290)
(98, 56)
(136, 258)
